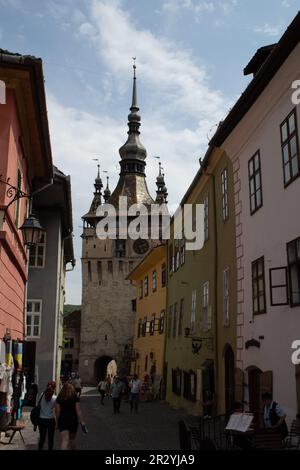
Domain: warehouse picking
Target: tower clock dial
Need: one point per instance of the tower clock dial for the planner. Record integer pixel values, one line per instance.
(140, 246)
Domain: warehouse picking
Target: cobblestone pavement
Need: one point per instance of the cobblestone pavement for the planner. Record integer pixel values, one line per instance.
(155, 427)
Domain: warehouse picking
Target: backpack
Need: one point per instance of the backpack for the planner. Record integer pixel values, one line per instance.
(35, 413)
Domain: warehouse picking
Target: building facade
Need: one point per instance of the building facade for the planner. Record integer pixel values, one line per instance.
(71, 342)
(108, 316)
(26, 165)
(150, 278)
(46, 287)
(261, 137)
(201, 298)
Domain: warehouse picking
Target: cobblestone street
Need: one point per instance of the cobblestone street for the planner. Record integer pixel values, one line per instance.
(155, 427)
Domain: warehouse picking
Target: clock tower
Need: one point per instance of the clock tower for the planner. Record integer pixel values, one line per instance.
(108, 299)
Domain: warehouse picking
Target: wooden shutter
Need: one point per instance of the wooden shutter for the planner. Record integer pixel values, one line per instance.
(239, 385)
(199, 385)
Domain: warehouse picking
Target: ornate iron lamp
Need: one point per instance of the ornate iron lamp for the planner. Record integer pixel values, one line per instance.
(31, 228)
(197, 342)
(31, 231)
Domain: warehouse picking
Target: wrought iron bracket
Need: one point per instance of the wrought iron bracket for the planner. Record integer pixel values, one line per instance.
(12, 193)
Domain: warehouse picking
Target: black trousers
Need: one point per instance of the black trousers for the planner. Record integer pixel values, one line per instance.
(117, 404)
(46, 426)
(102, 393)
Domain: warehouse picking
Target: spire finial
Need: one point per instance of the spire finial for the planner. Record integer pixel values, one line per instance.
(134, 105)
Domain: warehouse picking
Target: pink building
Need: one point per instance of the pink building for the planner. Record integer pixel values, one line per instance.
(261, 136)
(26, 164)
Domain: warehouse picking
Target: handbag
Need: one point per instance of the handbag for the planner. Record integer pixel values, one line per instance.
(35, 413)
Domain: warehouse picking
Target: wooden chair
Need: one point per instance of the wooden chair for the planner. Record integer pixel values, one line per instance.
(267, 439)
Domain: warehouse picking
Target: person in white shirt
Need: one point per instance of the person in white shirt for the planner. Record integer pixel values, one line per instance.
(47, 422)
(135, 386)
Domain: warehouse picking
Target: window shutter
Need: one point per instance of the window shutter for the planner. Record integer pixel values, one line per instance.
(239, 385)
(279, 286)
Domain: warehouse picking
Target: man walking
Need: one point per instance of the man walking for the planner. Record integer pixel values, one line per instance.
(116, 393)
(135, 386)
(103, 388)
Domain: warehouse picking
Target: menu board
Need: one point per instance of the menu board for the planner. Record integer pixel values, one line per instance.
(239, 422)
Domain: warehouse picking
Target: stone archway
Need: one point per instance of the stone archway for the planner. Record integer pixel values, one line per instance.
(100, 367)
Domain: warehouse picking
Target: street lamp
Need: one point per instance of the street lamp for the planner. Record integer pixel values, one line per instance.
(197, 342)
(31, 231)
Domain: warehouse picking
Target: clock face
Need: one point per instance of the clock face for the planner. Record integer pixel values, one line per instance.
(140, 246)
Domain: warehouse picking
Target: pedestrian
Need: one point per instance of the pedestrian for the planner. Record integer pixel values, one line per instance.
(77, 382)
(108, 380)
(116, 393)
(135, 386)
(68, 414)
(46, 420)
(102, 387)
(274, 415)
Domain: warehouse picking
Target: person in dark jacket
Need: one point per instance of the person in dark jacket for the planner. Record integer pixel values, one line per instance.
(274, 415)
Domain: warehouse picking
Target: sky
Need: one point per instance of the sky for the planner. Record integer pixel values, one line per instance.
(190, 56)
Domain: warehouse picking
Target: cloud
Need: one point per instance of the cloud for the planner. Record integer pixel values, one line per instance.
(269, 30)
(179, 109)
(199, 8)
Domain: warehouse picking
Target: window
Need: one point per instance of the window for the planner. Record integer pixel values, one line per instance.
(175, 320)
(226, 296)
(121, 266)
(258, 286)
(224, 189)
(110, 266)
(139, 328)
(37, 253)
(206, 317)
(293, 249)
(146, 363)
(99, 270)
(153, 281)
(182, 251)
(33, 318)
(171, 258)
(144, 326)
(180, 319)
(146, 286)
(163, 275)
(170, 321)
(152, 324)
(290, 148)
(162, 321)
(255, 187)
(177, 258)
(193, 311)
(69, 343)
(133, 305)
(120, 248)
(205, 202)
(141, 289)
(189, 385)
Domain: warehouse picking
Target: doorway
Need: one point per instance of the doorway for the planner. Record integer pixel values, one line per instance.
(254, 379)
(100, 367)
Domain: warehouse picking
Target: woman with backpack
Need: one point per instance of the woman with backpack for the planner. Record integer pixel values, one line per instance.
(46, 420)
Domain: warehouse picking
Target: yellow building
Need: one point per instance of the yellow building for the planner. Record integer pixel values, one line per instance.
(149, 277)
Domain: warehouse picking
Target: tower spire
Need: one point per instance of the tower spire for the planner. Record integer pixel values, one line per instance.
(107, 192)
(161, 192)
(133, 153)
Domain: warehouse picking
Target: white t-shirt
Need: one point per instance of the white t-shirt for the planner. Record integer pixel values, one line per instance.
(136, 386)
(47, 407)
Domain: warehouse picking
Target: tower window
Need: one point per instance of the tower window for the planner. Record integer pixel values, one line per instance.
(110, 266)
(120, 248)
(89, 271)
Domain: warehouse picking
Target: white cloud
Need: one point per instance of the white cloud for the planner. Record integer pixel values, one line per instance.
(199, 8)
(269, 30)
(181, 108)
